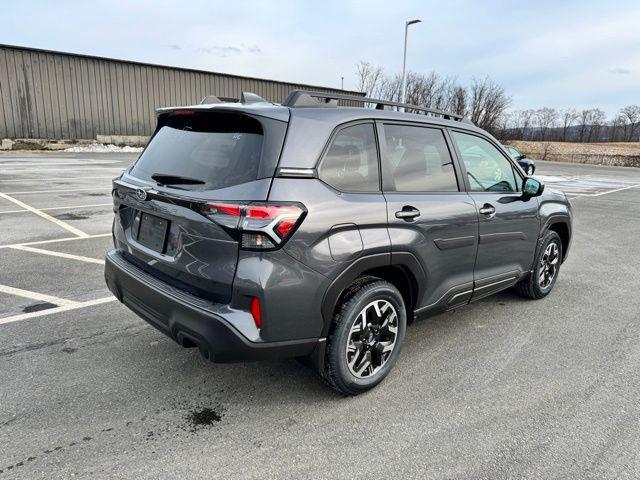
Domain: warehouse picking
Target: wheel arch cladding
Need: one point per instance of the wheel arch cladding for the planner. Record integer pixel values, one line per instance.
(400, 277)
(405, 274)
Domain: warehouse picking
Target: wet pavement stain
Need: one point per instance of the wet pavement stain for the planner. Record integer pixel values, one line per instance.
(69, 350)
(71, 216)
(36, 307)
(203, 417)
(197, 418)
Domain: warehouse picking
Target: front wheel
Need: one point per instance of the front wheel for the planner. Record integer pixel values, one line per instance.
(367, 336)
(531, 170)
(546, 268)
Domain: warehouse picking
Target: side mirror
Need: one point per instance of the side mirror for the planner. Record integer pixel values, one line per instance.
(532, 187)
(522, 156)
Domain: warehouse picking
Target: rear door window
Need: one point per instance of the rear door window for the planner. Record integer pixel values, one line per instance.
(219, 149)
(417, 159)
(351, 163)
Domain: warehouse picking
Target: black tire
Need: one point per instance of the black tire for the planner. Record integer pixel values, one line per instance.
(364, 293)
(531, 287)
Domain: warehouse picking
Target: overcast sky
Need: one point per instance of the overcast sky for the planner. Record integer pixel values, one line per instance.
(545, 53)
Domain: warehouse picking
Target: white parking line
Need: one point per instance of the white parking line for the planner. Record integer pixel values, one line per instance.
(614, 191)
(46, 216)
(26, 180)
(61, 190)
(61, 208)
(85, 168)
(44, 161)
(50, 311)
(59, 254)
(36, 296)
(56, 240)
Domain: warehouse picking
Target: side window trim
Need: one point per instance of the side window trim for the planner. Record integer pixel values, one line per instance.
(516, 171)
(388, 186)
(336, 131)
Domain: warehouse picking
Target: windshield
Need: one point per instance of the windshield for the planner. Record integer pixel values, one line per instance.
(212, 150)
(515, 154)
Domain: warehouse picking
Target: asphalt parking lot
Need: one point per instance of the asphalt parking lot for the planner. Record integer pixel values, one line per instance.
(505, 388)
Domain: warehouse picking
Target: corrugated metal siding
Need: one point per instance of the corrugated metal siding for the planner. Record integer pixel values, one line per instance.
(55, 95)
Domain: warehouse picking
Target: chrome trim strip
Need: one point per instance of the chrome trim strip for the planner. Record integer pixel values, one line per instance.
(296, 172)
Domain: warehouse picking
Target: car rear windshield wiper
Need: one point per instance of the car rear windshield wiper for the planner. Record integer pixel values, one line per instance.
(167, 179)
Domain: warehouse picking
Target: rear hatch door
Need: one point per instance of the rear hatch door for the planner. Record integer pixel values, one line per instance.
(193, 159)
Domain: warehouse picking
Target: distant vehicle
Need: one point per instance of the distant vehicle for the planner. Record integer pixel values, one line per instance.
(252, 230)
(525, 163)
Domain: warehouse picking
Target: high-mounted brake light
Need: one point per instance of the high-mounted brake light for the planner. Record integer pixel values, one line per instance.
(263, 226)
(183, 112)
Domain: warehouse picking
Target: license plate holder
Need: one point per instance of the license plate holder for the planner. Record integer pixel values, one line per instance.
(152, 232)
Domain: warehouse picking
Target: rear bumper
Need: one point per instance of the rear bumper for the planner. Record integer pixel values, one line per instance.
(189, 320)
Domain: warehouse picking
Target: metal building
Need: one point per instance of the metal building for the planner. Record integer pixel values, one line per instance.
(54, 95)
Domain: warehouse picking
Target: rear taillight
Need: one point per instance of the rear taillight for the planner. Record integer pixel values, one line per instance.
(262, 226)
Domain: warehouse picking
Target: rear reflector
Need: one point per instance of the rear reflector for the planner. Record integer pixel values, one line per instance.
(284, 227)
(263, 226)
(255, 312)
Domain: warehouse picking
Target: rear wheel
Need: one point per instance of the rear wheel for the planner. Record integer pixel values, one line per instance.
(546, 268)
(367, 336)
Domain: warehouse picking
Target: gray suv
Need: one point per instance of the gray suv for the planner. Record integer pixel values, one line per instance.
(252, 230)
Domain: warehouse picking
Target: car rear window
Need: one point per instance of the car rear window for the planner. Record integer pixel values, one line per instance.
(219, 149)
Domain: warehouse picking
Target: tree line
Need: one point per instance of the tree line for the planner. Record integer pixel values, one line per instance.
(571, 125)
(486, 104)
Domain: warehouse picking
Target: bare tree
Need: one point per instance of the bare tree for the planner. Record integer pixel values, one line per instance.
(485, 101)
(369, 78)
(617, 129)
(546, 150)
(488, 103)
(568, 117)
(545, 119)
(458, 100)
(584, 121)
(598, 119)
(631, 115)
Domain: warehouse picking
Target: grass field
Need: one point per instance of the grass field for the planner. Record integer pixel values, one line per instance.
(625, 154)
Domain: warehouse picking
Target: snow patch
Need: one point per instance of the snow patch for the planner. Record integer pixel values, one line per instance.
(102, 148)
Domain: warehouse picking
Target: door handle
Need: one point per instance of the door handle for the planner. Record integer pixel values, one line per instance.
(408, 213)
(487, 209)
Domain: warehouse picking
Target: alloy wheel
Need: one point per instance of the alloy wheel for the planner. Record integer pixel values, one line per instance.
(548, 265)
(372, 338)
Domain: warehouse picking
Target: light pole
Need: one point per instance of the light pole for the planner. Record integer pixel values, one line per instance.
(403, 92)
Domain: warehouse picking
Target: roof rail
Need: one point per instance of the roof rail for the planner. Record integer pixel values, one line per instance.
(306, 98)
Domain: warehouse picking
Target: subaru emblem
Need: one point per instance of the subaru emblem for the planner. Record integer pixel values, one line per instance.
(141, 194)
